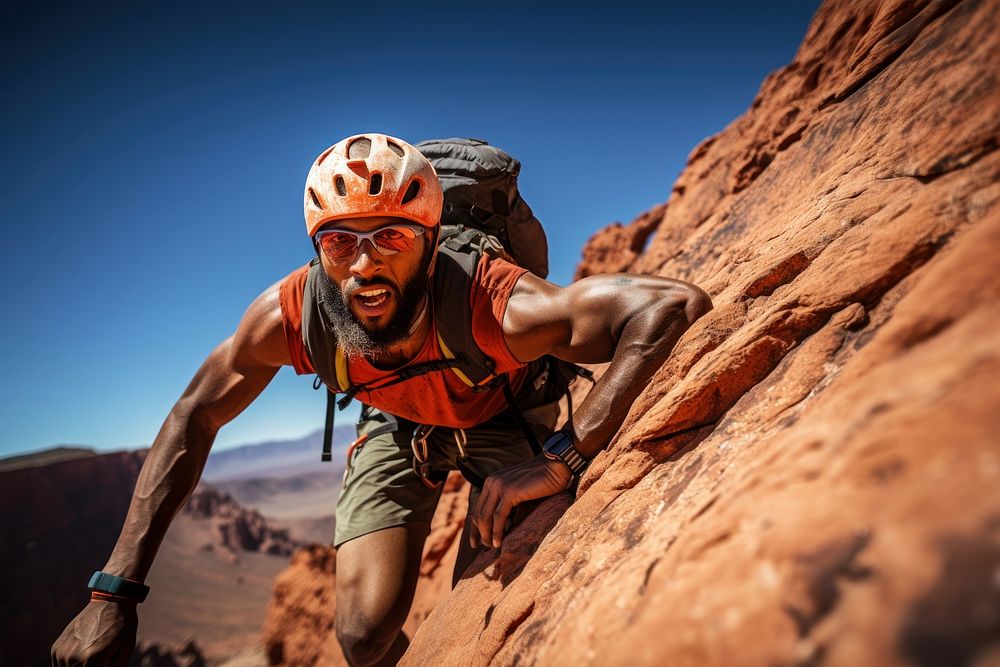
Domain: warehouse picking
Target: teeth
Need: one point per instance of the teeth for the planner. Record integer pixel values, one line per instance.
(373, 292)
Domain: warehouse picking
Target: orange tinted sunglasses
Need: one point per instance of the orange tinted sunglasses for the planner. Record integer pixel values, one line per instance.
(341, 244)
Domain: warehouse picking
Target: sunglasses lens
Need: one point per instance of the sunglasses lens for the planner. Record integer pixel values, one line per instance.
(338, 245)
(391, 240)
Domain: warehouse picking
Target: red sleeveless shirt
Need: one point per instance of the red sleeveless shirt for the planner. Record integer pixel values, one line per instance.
(438, 398)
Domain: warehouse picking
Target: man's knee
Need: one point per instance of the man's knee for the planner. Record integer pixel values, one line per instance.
(367, 620)
(363, 641)
(376, 576)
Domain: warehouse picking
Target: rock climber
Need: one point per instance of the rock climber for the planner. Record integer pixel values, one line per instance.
(377, 315)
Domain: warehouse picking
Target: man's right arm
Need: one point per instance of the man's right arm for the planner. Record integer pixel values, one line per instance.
(232, 376)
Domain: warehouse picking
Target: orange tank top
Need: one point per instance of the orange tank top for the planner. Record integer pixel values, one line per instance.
(438, 398)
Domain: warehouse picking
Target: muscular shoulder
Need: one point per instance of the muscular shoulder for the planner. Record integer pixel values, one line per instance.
(260, 337)
(494, 281)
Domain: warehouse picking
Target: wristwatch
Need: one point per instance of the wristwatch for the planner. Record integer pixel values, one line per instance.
(559, 447)
(118, 586)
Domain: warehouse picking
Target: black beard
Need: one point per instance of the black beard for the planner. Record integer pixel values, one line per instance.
(352, 336)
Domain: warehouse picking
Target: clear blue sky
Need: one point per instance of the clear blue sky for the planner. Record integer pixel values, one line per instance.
(156, 153)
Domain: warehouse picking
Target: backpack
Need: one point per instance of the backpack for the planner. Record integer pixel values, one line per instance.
(483, 213)
(480, 192)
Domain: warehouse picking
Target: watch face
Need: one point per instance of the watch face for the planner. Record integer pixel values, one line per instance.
(558, 443)
(560, 446)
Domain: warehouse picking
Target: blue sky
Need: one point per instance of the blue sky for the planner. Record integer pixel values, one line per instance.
(156, 153)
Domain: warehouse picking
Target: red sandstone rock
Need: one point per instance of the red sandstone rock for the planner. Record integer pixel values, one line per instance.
(299, 625)
(812, 477)
(615, 248)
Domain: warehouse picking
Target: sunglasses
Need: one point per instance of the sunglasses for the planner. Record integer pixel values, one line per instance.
(341, 244)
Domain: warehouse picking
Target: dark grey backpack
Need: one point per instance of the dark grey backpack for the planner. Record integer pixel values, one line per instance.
(480, 192)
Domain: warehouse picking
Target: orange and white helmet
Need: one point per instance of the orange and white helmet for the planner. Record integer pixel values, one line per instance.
(371, 175)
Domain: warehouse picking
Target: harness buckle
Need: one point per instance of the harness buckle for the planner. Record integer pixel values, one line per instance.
(421, 460)
(461, 440)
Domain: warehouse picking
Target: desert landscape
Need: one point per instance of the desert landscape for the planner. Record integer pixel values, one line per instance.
(212, 579)
(811, 479)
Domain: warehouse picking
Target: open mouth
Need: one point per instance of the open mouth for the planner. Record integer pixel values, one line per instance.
(372, 302)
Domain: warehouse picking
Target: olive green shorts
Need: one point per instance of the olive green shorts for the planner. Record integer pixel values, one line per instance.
(381, 488)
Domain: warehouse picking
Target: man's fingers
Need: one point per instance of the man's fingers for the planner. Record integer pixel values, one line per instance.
(483, 517)
(500, 520)
(472, 529)
(501, 493)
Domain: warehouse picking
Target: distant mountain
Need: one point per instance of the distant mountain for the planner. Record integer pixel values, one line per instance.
(277, 458)
(269, 459)
(45, 457)
(61, 514)
(304, 504)
(258, 491)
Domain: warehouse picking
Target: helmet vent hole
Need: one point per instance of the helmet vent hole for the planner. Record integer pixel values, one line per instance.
(411, 191)
(341, 186)
(316, 201)
(359, 148)
(395, 148)
(375, 185)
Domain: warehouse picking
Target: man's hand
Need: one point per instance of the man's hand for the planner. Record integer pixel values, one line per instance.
(102, 634)
(504, 490)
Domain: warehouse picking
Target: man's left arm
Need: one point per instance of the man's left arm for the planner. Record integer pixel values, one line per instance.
(631, 321)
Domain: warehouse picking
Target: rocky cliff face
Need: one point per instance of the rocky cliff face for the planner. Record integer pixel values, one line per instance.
(59, 523)
(812, 477)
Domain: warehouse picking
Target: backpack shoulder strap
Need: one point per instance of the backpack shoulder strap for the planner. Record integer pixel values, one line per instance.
(459, 252)
(327, 359)
(317, 336)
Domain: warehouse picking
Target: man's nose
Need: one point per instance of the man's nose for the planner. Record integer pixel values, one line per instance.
(364, 263)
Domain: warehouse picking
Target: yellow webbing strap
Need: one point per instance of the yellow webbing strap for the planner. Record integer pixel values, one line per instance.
(343, 379)
(448, 354)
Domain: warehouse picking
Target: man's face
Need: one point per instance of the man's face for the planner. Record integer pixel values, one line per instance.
(372, 299)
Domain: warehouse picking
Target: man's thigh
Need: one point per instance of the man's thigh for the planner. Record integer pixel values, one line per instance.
(381, 489)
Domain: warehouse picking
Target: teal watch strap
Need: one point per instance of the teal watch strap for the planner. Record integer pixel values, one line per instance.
(109, 583)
